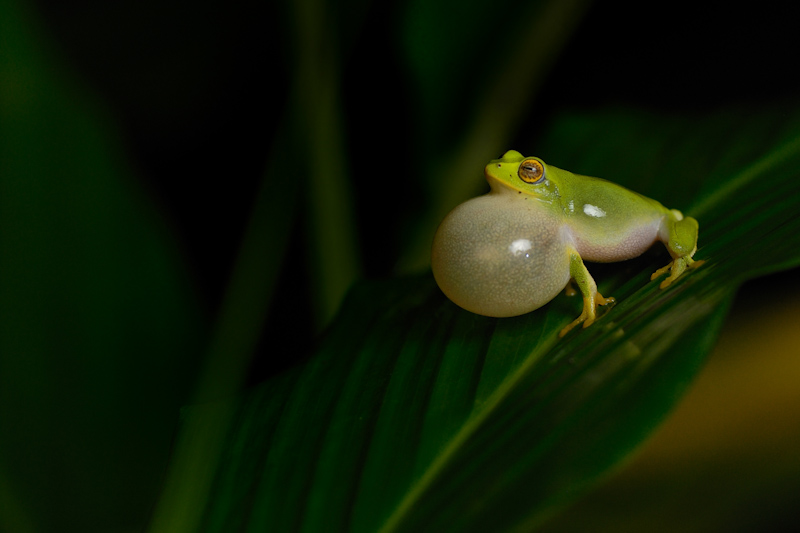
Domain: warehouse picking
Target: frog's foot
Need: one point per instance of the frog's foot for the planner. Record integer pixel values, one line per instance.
(675, 268)
(589, 314)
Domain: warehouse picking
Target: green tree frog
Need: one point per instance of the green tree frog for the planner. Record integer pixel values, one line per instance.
(515, 248)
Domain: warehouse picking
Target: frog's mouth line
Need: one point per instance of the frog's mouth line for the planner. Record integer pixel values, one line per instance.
(495, 182)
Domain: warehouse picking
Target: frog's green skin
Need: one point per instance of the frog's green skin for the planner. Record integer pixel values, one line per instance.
(514, 249)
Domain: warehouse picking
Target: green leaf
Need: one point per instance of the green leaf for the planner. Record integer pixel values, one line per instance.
(415, 415)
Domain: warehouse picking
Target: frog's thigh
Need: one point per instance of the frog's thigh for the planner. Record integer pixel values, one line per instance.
(682, 237)
(682, 244)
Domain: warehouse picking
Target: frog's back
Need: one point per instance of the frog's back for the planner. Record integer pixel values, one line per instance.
(608, 222)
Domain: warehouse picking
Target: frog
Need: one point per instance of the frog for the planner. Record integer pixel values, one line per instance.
(514, 249)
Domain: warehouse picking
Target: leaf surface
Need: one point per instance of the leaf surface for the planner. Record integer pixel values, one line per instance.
(416, 415)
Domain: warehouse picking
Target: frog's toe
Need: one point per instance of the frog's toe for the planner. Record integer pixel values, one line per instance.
(666, 283)
(676, 268)
(662, 270)
(695, 264)
(589, 314)
(599, 300)
(583, 318)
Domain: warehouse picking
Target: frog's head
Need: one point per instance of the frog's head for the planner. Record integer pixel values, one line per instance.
(517, 173)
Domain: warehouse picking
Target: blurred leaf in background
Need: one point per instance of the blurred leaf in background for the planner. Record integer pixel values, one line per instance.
(191, 187)
(99, 326)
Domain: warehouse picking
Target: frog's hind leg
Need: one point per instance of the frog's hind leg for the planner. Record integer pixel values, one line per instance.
(588, 288)
(679, 234)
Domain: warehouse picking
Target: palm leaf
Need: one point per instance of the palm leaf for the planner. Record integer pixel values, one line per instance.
(416, 415)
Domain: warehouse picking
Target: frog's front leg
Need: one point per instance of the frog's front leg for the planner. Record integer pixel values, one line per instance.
(679, 234)
(588, 288)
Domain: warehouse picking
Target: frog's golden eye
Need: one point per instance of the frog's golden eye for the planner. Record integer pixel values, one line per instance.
(531, 171)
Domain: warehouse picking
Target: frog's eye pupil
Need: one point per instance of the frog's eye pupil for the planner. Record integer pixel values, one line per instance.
(531, 171)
